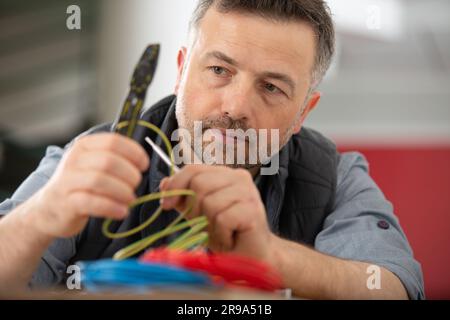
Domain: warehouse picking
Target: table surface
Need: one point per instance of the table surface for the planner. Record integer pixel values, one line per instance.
(157, 294)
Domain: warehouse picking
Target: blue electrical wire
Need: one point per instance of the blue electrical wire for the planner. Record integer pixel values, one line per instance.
(131, 274)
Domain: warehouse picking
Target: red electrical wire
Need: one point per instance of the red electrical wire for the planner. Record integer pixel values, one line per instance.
(223, 267)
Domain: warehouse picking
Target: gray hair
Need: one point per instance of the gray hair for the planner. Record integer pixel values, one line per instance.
(315, 12)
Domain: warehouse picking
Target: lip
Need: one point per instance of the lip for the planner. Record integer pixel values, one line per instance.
(231, 138)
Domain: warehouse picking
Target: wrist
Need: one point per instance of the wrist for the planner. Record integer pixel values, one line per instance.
(275, 254)
(32, 221)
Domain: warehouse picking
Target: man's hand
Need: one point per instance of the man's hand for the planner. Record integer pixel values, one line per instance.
(238, 223)
(96, 177)
(230, 200)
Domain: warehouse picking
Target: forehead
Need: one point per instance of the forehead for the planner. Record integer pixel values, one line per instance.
(257, 42)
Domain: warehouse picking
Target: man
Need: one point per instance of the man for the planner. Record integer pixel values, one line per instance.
(320, 220)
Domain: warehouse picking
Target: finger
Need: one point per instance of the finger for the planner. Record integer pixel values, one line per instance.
(179, 181)
(89, 204)
(102, 184)
(213, 241)
(220, 200)
(203, 184)
(226, 225)
(119, 144)
(111, 164)
(237, 229)
(182, 180)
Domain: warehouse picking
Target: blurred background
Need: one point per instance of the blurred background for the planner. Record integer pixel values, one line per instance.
(387, 94)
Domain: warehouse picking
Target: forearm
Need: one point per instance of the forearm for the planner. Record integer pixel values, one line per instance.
(21, 246)
(311, 274)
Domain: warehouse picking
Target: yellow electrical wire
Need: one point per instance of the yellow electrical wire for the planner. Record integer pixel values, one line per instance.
(194, 237)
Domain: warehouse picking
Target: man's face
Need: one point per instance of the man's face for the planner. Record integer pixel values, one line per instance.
(246, 72)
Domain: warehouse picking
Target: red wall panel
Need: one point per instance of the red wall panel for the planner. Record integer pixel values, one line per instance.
(417, 181)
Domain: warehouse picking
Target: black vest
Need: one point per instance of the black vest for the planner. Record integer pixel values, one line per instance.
(302, 200)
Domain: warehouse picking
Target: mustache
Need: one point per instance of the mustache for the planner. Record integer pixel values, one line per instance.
(224, 122)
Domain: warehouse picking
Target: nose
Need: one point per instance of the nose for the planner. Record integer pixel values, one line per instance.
(238, 101)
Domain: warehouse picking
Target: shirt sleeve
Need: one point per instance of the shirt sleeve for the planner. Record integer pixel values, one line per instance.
(52, 268)
(35, 181)
(363, 226)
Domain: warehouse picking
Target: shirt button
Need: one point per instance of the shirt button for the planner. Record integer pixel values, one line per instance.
(383, 224)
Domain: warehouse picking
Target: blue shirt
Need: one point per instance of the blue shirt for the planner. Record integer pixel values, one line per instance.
(361, 227)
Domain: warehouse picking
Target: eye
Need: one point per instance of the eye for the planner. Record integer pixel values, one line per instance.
(272, 88)
(218, 70)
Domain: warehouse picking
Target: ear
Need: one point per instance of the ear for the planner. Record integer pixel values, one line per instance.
(310, 105)
(181, 60)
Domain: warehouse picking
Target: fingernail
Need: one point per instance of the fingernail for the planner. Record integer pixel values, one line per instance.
(165, 183)
(145, 164)
(168, 203)
(123, 211)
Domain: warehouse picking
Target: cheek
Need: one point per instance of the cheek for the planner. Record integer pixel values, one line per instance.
(199, 102)
(281, 121)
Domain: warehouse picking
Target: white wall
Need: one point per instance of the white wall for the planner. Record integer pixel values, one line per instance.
(126, 28)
